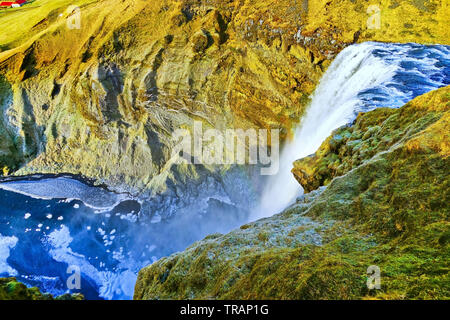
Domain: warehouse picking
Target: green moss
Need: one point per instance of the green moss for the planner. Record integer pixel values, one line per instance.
(11, 289)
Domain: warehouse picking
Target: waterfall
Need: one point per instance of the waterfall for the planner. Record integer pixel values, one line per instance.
(361, 78)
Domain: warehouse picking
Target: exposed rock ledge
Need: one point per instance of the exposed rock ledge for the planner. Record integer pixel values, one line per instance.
(386, 204)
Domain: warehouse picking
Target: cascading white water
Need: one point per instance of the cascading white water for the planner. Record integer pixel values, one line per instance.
(361, 78)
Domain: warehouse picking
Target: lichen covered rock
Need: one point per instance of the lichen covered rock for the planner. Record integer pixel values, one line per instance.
(419, 124)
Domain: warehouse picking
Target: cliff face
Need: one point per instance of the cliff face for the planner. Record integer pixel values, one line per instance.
(103, 100)
(386, 205)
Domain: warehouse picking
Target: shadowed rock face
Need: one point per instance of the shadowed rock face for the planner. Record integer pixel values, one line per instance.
(386, 206)
(103, 100)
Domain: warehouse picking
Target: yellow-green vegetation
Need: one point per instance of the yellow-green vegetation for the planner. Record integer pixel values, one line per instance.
(382, 20)
(19, 25)
(11, 289)
(389, 208)
(102, 100)
(382, 129)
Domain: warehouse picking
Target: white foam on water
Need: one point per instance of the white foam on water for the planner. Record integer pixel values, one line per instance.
(6, 244)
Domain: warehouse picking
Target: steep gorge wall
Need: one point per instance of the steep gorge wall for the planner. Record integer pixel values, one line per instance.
(103, 100)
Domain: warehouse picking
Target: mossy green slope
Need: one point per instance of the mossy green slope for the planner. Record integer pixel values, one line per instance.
(390, 209)
(11, 289)
(102, 100)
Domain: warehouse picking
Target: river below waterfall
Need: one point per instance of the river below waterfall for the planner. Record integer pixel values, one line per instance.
(50, 223)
